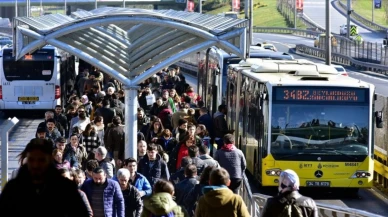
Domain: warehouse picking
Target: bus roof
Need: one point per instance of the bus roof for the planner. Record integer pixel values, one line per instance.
(304, 74)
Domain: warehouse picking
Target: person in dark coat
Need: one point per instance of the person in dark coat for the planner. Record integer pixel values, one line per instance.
(183, 187)
(39, 189)
(206, 119)
(288, 193)
(132, 197)
(106, 112)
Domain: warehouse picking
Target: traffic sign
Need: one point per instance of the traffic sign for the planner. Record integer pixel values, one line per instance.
(353, 30)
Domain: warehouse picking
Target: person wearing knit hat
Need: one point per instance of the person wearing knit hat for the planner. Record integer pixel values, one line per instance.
(290, 202)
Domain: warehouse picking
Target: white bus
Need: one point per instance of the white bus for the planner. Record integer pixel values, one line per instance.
(31, 83)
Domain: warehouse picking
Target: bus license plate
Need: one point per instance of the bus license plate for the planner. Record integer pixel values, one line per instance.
(317, 184)
(28, 99)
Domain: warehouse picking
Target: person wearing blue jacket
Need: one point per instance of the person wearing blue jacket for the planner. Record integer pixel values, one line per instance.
(105, 195)
(138, 180)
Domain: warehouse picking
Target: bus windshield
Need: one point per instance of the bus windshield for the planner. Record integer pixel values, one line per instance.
(326, 128)
(36, 66)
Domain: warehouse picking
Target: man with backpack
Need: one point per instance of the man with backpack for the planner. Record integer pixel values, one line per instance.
(289, 202)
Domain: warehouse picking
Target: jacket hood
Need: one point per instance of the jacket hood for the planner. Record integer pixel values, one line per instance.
(160, 203)
(218, 113)
(217, 196)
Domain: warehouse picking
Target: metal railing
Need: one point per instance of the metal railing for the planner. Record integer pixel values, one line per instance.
(255, 204)
(6, 31)
(363, 20)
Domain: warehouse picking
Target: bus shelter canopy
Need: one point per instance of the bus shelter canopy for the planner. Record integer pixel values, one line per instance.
(130, 44)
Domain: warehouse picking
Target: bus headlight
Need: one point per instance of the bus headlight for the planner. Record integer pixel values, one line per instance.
(361, 174)
(273, 172)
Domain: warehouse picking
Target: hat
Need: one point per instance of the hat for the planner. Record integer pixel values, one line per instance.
(41, 130)
(182, 121)
(60, 140)
(288, 181)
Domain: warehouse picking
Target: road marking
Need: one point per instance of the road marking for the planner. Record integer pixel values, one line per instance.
(275, 42)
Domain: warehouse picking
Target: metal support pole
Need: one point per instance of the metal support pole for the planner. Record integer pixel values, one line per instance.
(130, 94)
(10, 123)
(16, 8)
(294, 14)
(95, 4)
(328, 34)
(123, 3)
(349, 6)
(373, 10)
(65, 7)
(250, 22)
(200, 6)
(41, 7)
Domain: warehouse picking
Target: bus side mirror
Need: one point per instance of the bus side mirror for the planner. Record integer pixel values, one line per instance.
(379, 119)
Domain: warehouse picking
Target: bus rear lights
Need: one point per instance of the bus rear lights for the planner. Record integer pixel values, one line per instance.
(273, 172)
(361, 174)
(57, 91)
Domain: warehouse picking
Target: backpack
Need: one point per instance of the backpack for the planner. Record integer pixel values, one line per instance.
(291, 210)
(170, 214)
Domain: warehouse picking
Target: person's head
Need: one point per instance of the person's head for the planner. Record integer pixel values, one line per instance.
(142, 147)
(116, 120)
(48, 115)
(50, 123)
(201, 130)
(39, 157)
(223, 109)
(100, 153)
(140, 113)
(186, 161)
(188, 140)
(131, 165)
(152, 151)
(58, 109)
(172, 93)
(60, 143)
(41, 133)
(79, 176)
(99, 176)
(191, 129)
(98, 120)
(191, 171)
(190, 89)
(110, 90)
(65, 173)
(163, 186)
(120, 93)
(89, 130)
(81, 113)
(182, 123)
(165, 95)
(166, 133)
(123, 176)
(74, 139)
(159, 101)
(157, 125)
(84, 99)
(203, 149)
(58, 155)
(228, 139)
(205, 175)
(288, 181)
(193, 151)
(219, 176)
(203, 111)
(90, 166)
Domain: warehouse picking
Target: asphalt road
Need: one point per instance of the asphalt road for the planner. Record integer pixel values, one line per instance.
(316, 11)
(286, 42)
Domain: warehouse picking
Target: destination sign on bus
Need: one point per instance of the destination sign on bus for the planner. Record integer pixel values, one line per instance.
(320, 94)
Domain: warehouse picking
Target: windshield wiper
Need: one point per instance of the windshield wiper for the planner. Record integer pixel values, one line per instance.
(291, 155)
(339, 153)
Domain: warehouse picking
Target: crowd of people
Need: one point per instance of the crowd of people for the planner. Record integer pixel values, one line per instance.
(187, 163)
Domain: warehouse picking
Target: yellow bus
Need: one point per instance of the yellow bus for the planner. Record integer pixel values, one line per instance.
(302, 116)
